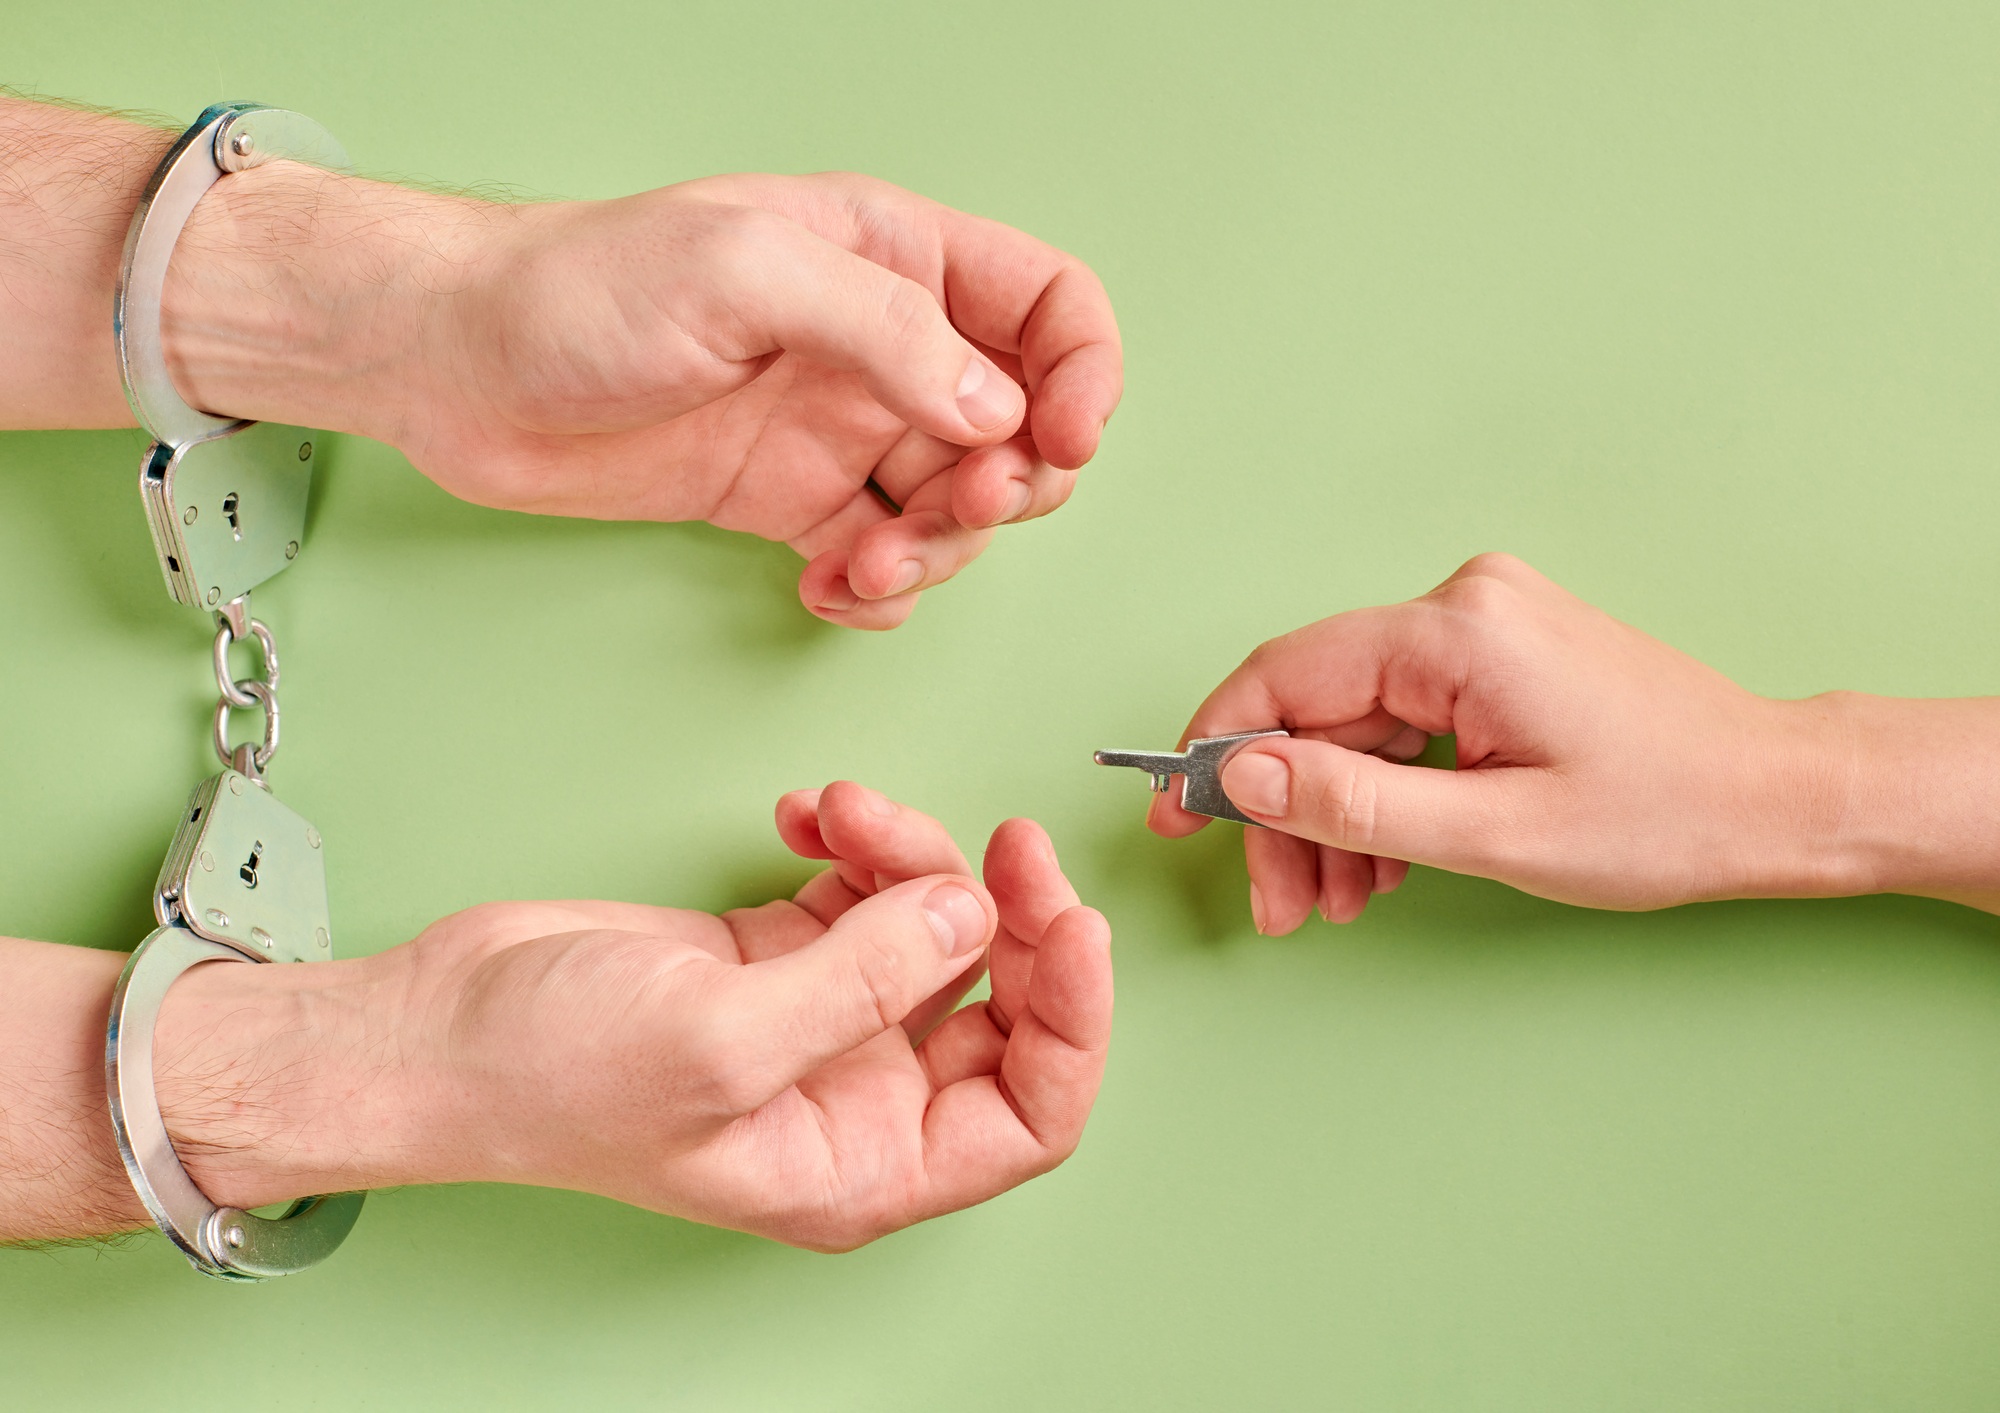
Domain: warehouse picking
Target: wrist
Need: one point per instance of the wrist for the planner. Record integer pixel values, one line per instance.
(280, 1081)
(302, 296)
(1797, 797)
(1916, 811)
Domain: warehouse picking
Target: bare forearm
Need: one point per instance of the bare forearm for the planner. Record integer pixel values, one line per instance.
(302, 296)
(69, 182)
(275, 1082)
(294, 295)
(1920, 812)
(59, 1170)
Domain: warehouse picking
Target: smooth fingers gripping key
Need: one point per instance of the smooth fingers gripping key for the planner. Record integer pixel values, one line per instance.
(1201, 763)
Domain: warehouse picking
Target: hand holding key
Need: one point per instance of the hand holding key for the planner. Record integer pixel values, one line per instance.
(1596, 765)
(1199, 768)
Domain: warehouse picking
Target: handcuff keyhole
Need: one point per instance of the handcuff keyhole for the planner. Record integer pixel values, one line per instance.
(248, 873)
(229, 509)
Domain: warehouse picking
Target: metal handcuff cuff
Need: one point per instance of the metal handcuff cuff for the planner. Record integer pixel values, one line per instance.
(244, 880)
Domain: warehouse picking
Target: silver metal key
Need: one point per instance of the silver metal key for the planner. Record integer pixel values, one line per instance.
(1201, 763)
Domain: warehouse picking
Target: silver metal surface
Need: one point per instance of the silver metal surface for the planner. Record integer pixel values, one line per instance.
(231, 630)
(224, 1242)
(225, 498)
(269, 133)
(1201, 763)
(184, 175)
(227, 512)
(246, 872)
(235, 616)
(261, 755)
(244, 879)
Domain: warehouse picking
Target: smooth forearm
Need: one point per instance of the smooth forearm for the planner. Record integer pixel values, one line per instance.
(1918, 808)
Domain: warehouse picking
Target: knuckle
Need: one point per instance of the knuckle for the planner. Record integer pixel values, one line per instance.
(1345, 801)
(1263, 656)
(838, 1236)
(909, 315)
(880, 979)
(860, 186)
(1057, 1150)
(835, 1222)
(1494, 564)
(731, 223)
(738, 243)
(734, 1088)
(1481, 599)
(724, 1078)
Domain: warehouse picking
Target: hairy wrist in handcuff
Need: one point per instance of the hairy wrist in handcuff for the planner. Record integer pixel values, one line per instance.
(302, 296)
(244, 880)
(279, 1080)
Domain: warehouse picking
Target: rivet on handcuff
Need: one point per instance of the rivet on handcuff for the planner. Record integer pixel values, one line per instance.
(244, 880)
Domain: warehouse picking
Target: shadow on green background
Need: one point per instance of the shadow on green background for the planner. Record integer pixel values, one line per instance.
(1694, 309)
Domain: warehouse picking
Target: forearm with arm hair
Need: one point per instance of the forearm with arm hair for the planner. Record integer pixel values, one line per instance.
(275, 1082)
(290, 297)
(59, 1170)
(294, 295)
(69, 182)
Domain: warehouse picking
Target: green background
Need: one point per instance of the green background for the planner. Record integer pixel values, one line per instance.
(1694, 307)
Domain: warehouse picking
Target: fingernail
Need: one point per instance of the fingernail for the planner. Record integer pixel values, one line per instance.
(1017, 502)
(907, 574)
(1257, 906)
(1258, 782)
(877, 802)
(957, 919)
(985, 397)
(839, 596)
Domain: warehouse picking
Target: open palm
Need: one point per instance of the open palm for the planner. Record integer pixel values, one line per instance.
(797, 1069)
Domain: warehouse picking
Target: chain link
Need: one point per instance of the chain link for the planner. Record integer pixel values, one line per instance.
(234, 624)
(225, 637)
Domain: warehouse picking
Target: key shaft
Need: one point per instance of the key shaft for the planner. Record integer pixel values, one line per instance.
(1201, 765)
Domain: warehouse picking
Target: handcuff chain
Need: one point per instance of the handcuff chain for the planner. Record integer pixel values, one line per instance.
(243, 880)
(233, 625)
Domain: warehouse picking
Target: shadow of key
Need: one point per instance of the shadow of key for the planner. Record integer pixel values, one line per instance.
(1200, 876)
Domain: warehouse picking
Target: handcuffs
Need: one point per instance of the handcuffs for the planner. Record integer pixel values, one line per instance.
(244, 880)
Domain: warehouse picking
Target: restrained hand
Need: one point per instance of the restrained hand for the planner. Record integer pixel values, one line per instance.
(796, 1070)
(874, 379)
(749, 350)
